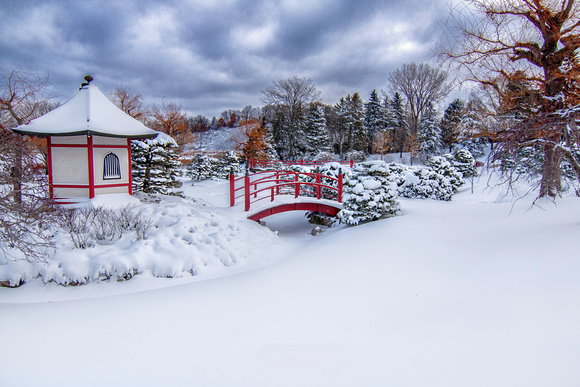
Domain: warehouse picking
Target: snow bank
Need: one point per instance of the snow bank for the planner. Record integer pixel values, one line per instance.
(186, 238)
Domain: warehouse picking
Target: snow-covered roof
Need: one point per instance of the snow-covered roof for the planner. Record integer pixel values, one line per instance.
(87, 112)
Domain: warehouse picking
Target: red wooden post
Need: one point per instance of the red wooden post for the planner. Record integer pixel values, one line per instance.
(232, 190)
(91, 166)
(277, 182)
(130, 170)
(351, 162)
(297, 186)
(318, 193)
(340, 185)
(49, 163)
(272, 197)
(247, 192)
(301, 161)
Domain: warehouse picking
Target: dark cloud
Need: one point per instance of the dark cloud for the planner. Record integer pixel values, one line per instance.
(211, 56)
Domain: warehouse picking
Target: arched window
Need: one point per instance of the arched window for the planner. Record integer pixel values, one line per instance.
(111, 167)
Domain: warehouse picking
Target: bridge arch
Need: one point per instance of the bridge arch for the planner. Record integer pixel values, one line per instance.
(303, 206)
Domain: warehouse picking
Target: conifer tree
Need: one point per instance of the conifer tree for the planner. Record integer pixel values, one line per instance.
(343, 124)
(359, 136)
(375, 120)
(317, 138)
(155, 167)
(429, 134)
(397, 124)
(449, 123)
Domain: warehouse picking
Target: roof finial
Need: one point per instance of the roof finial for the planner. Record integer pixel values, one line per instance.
(88, 80)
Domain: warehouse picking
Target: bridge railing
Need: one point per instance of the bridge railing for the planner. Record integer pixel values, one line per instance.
(255, 163)
(267, 184)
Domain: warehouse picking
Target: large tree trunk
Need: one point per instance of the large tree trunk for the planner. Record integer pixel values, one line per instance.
(551, 183)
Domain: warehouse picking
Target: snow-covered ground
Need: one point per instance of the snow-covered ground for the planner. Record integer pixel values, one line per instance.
(479, 291)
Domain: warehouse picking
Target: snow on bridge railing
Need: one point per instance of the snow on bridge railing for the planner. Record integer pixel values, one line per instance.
(253, 187)
(254, 163)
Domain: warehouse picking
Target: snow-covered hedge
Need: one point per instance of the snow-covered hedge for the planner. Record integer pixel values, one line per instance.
(370, 193)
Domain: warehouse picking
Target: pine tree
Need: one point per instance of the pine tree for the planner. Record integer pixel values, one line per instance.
(397, 124)
(472, 127)
(155, 167)
(351, 111)
(317, 138)
(359, 136)
(449, 123)
(375, 120)
(429, 134)
(341, 133)
(288, 134)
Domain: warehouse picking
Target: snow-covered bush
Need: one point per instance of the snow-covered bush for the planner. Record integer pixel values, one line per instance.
(324, 156)
(370, 193)
(155, 165)
(88, 226)
(424, 183)
(207, 167)
(203, 167)
(464, 162)
(443, 166)
(355, 155)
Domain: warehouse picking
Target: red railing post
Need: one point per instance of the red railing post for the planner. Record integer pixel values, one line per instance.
(297, 185)
(277, 182)
(351, 162)
(340, 185)
(301, 161)
(247, 192)
(318, 190)
(232, 190)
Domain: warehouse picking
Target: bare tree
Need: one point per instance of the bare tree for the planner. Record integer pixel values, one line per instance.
(23, 97)
(293, 92)
(170, 119)
(290, 99)
(131, 102)
(25, 212)
(24, 218)
(421, 85)
(527, 52)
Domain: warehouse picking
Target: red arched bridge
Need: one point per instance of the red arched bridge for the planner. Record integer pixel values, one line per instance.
(317, 192)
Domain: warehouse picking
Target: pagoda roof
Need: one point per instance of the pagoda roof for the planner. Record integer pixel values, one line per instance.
(88, 112)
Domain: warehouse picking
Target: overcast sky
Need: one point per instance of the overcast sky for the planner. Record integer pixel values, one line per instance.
(215, 55)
